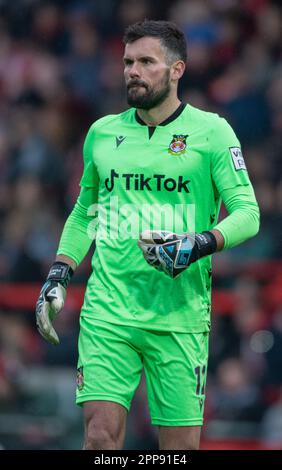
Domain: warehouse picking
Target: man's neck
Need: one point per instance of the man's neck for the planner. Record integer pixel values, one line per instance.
(153, 117)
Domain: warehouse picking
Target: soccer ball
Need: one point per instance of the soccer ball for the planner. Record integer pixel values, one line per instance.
(157, 237)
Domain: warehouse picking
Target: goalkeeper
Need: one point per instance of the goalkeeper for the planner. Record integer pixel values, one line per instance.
(147, 303)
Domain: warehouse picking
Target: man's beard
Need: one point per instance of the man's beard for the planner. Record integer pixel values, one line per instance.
(150, 98)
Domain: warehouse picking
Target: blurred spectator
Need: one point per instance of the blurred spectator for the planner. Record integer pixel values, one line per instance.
(84, 60)
(271, 426)
(235, 396)
(273, 352)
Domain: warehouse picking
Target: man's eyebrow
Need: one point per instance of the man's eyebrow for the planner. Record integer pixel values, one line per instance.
(143, 57)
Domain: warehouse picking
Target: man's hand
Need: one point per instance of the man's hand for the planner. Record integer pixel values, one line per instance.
(173, 253)
(51, 300)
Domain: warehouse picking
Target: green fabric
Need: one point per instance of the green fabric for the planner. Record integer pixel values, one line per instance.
(191, 163)
(76, 237)
(243, 221)
(175, 366)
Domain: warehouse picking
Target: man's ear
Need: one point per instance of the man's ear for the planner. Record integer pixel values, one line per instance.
(177, 70)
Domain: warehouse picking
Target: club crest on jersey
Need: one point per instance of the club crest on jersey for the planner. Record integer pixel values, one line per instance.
(178, 144)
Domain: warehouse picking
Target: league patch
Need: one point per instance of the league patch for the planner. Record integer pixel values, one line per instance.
(178, 144)
(238, 159)
(80, 378)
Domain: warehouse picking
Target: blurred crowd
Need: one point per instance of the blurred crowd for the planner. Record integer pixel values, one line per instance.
(60, 69)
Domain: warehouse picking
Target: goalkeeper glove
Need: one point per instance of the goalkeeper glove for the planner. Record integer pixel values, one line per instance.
(51, 300)
(173, 253)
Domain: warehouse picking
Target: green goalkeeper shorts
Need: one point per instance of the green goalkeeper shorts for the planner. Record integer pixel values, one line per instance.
(111, 360)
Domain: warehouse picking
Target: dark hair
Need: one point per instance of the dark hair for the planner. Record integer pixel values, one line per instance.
(171, 37)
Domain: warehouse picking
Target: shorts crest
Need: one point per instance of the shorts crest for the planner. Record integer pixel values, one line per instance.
(80, 378)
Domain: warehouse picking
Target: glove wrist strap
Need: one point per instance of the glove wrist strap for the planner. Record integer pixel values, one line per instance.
(61, 272)
(206, 243)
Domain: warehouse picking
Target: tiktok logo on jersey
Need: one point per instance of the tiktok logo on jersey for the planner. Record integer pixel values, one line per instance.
(110, 182)
(139, 182)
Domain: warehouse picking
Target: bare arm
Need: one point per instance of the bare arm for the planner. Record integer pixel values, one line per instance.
(67, 260)
(219, 239)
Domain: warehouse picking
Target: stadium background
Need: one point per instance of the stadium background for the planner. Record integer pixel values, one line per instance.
(60, 69)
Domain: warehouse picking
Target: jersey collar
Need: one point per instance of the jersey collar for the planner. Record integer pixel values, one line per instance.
(168, 120)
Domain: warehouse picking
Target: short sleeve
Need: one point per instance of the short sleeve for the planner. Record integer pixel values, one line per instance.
(90, 177)
(228, 167)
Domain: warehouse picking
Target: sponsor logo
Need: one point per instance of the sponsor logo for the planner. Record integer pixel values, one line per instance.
(178, 144)
(237, 157)
(139, 182)
(119, 140)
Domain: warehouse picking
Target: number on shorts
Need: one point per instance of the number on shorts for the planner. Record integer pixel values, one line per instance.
(200, 379)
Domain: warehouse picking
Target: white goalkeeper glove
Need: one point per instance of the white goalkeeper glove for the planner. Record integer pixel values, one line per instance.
(51, 300)
(172, 253)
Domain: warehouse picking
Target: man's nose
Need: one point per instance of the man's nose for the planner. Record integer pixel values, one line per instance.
(134, 70)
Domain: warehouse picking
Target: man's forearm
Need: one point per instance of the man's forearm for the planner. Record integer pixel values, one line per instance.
(67, 260)
(219, 239)
(242, 222)
(78, 232)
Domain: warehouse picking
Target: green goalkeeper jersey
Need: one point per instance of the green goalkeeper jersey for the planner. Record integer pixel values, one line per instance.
(169, 177)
